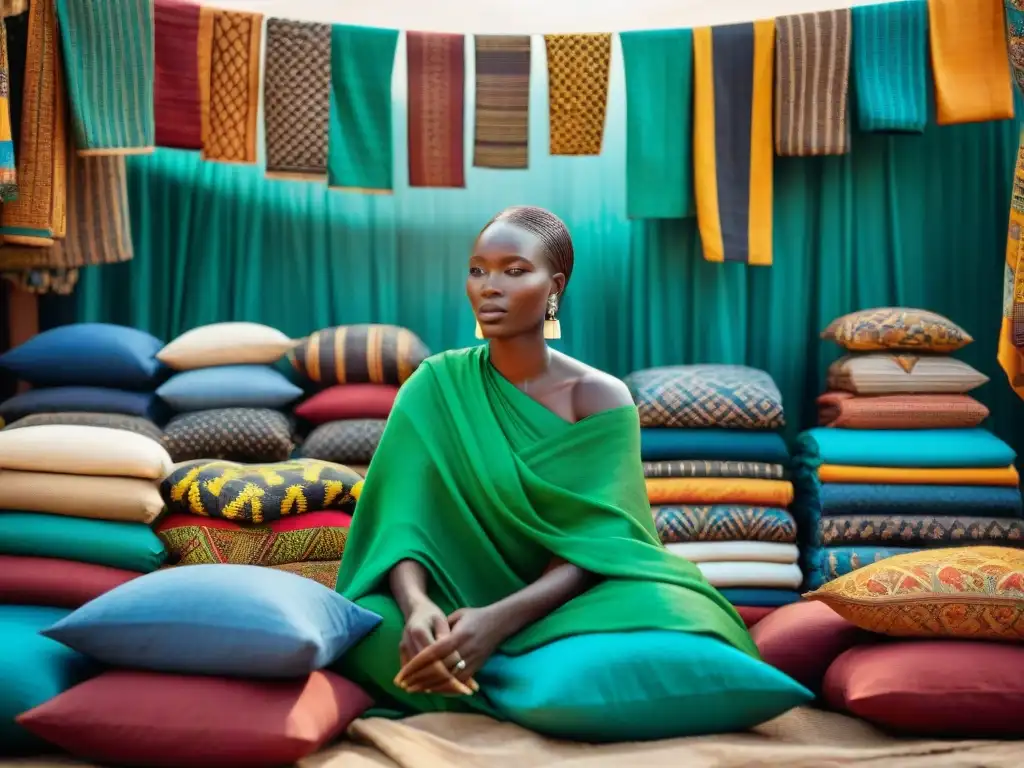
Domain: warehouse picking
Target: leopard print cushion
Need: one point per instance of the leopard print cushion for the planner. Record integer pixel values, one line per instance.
(136, 424)
(352, 441)
(233, 434)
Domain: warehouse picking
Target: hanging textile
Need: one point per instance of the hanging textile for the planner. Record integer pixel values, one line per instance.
(812, 82)
(297, 98)
(501, 138)
(8, 168)
(578, 67)
(1011, 332)
(436, 112)
(890, 66)
(177, 116)
(359, 152)
(968, 47)
(659, 123)
(732, 140)
(229, 83)
(37, 217)
(108, 58)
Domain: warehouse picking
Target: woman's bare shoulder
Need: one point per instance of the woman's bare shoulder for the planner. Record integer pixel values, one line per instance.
(594, 390)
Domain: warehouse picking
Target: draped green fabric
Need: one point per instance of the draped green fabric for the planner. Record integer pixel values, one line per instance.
(915, 220)
(492, 486)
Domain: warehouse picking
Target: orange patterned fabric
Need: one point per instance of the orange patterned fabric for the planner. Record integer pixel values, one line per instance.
(841, 473)
(719, 490)
(229, 83)
(896, 329)
(578, 67)
(970, 593)
(925, 411)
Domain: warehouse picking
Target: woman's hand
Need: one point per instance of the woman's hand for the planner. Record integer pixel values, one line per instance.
(426, 624)
(475, 634)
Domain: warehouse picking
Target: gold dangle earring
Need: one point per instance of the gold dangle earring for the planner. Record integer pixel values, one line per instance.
(552, 328)
(479, 330)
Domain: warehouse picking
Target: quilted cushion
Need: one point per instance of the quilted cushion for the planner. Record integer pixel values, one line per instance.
(351, 441)
(729, 396)
(312, 536)
(723, 522)
(971, 593)
(225, 344)
(228, 386)
(349, 401)
(233, 434)
(259, 493)
(136, 424)
(359, 354)
(896, 328)
(844, 409)
(89, 399)
(888, 374)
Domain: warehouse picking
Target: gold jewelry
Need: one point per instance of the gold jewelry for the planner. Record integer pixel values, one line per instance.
(552, 328)
(479, 330)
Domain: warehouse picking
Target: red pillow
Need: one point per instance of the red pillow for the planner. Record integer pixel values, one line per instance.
(752, 614)
(137, 718)
(57, 583)
(802, 639)
(950, 688)
(349, 401)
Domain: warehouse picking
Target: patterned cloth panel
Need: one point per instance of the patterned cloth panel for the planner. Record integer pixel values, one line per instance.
(232, 434)
(822, 564)
(750, 469)
(921, 531)
(324, 572)
(727, 396)
(896, 328)
(352, 441)
(359, 354)
(723, 523)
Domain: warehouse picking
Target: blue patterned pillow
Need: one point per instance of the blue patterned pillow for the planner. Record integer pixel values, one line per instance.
(726, 396)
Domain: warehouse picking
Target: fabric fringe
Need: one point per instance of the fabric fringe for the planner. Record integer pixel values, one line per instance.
(229, 83)
(437, 94)
(812, 82)
(501, 138)
(578, 67)
(176, 112)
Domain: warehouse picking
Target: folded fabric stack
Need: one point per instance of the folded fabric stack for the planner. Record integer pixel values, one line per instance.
(901, 463)
(239, 649)
(360, 368)
(290, 516)
(92, 374)
(717, 480)
(227, 396)
(76, 504)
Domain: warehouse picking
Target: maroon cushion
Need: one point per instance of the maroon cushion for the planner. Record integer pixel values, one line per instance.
(802, 639)
(752, 614)
(57, 583)
(349, 401)
(951, 688)
(135, 718)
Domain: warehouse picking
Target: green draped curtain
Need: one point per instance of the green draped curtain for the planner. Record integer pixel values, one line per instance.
(907, 220)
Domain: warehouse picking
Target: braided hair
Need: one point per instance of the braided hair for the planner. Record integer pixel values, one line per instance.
(550, 229)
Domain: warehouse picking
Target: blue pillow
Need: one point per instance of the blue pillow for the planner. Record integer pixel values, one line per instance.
(228, 386)
(228, 620)
(88, 354)
(631, 686)
(33, 669)
(79, 399)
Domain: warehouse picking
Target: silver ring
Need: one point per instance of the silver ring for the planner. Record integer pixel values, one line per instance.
(459, 666)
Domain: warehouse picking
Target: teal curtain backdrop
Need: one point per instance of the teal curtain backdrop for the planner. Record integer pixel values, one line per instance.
(903, 220)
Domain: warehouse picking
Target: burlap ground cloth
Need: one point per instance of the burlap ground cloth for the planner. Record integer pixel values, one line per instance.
(803, 738)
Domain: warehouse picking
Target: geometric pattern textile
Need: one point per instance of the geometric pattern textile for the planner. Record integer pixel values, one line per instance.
(351, 441)
(136, 424)
(436, 77)
(321, 571)
(691, 468)
(723, 523)
(578, 67)
(724, 396)
(231, 434)
(502, 135)
(920, 531)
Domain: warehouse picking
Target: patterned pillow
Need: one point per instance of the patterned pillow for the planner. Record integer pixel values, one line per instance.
(321, 571)
(728, 396)
(352, 441)
(259, 493)
(192, 540)
(888, 374)
(938, 411)
(359, 354)
(723, 522)
(971, 593)
(233, 434)
(136, 424)
(896, 328)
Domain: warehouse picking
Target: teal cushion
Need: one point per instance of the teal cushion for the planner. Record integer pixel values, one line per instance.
(631, 686)
(33, 670)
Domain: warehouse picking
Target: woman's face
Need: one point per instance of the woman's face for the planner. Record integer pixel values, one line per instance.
(510, 279)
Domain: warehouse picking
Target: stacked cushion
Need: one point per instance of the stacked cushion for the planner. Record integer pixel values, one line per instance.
(901, 461)
(717, 478)
(226, 394)
(187, 647)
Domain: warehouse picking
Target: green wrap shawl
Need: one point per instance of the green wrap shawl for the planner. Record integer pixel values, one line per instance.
(483, 486)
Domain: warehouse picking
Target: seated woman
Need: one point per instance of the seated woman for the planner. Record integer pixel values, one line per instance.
(505, 508)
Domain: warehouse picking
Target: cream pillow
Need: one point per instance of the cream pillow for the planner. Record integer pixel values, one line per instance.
(225, 344)
(125, 499)
(732, 551)
(752, 574)
(885, 373)
(77, 449)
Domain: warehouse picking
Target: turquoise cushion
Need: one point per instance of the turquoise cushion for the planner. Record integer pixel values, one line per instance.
(228, 386)
(629, 686)
(88, 355)
(931, 448)
(229, 620)
(33, 669)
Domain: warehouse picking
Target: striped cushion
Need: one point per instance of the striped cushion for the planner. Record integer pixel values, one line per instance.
(359, 354)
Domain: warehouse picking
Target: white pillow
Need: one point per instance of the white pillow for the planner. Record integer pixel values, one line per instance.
(77, 449)
(225, 344)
